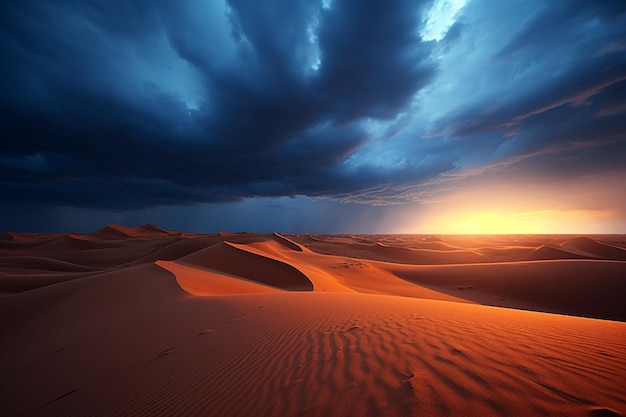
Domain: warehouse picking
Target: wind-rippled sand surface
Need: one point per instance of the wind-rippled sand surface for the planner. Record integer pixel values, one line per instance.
(143, 321)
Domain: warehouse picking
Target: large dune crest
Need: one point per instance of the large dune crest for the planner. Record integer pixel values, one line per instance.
(144, 321)
(230, 259)
(587, 246)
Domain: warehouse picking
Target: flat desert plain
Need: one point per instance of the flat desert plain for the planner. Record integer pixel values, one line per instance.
(148, 322)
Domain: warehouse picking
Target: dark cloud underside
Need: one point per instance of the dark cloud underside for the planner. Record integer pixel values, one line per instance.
(148, 103)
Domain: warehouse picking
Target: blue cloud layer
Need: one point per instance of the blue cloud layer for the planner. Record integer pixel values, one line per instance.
(149, 103)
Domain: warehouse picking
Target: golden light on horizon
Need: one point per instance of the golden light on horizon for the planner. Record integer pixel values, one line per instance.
(588, 205)
(516, 222)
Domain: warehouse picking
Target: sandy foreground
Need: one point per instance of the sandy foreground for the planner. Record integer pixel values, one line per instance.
(143, 321)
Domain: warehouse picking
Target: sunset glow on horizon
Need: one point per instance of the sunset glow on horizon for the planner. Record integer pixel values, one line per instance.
(525, 206)
(533, 222)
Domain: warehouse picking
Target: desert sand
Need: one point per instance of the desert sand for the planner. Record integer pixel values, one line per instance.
(148, 322)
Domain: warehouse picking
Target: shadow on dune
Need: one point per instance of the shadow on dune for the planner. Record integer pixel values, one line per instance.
(227, 258)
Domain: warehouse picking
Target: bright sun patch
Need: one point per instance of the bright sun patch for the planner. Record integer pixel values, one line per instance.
(491, 223)
(527, 222)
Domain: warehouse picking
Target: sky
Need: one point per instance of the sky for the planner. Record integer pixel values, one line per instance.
(314, 116)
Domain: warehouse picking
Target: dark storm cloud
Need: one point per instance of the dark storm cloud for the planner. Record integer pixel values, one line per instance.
(87, 122)
(147, 103)
(364, 45)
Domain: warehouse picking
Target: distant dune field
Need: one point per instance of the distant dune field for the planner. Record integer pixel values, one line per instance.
(147, 322)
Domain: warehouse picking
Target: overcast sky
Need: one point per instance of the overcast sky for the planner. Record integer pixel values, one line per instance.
(314, 116)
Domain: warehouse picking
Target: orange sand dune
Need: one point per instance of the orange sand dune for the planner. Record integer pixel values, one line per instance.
(116, 231)
(341, 274)
(546, 252)
(142, 321)
(411, 249)
(589, 288)
(201, 281)
(228, 258)
(179, 247)
(39, 264)
(587, 246)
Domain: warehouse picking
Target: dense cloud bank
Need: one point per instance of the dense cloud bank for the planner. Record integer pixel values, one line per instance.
(149, 103)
